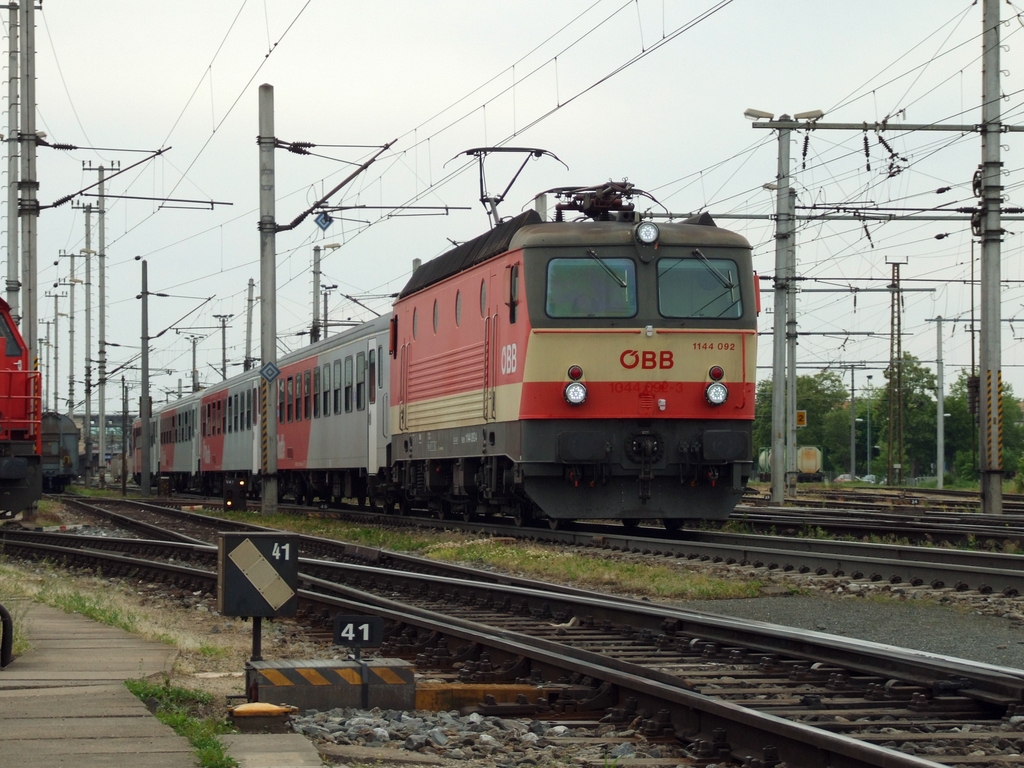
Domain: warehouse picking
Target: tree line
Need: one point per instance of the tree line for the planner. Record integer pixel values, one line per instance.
(825, 396)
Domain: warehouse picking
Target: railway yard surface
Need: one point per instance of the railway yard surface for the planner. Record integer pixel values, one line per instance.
(977, 622)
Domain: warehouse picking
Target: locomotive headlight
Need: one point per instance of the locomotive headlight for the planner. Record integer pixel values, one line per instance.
(716, 393)
(647, 232)
(575, 393)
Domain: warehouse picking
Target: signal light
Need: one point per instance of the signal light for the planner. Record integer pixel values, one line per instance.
(716, 373)
(575, 372)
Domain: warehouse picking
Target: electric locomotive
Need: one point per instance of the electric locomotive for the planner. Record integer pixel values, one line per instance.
(596, 368)
(547, 370)
(20, 422)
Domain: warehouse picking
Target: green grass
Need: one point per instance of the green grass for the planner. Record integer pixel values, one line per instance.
(9, 593)
(185, 711)
(641, 578)
(88, 605)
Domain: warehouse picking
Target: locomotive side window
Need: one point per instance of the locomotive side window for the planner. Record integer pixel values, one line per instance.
(337, 386)
(316, 392)
(591, 287)
(435, 315)
(414, 323)
(513, 292)
(483, 298)
(11, 345)
(361, 381)
(699, 287)
(458, 308)
(348, 384)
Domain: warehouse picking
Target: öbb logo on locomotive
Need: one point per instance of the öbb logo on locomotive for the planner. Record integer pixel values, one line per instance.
(647, 359)
(489, 412)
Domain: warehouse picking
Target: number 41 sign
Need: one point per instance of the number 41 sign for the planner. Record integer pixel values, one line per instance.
(358, 631)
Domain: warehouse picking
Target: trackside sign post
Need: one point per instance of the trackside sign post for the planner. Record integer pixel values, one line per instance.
(257, 576)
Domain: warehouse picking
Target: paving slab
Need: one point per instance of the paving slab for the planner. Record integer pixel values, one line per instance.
(64, 702)
(271, 750)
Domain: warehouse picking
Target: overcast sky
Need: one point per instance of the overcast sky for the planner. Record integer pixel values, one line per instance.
(652, 90)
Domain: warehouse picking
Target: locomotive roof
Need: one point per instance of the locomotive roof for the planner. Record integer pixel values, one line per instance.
(529, 229)
(706, 234)
(469, 253)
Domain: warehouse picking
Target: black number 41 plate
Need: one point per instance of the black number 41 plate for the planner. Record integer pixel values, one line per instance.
(358, 631)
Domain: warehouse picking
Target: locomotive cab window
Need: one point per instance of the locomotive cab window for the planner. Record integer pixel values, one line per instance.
(699, 287)
(591, 287)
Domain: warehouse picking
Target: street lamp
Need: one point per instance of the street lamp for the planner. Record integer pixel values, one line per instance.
(327, 291)
(314, 333)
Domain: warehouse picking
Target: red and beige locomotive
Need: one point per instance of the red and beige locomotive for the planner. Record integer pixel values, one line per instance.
(599, 368)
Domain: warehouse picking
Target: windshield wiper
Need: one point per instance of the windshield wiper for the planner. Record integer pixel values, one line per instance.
(593, 254)
(725, 281)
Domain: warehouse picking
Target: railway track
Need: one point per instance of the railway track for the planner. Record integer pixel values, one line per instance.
(757, 693)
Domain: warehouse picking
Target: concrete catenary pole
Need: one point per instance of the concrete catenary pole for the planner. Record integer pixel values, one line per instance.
(268, 291)
(778, 458)
(248, 328)
(87, 422)
(223, 345)
(144, 415)
(314, 332)
(791, 468)
(991, 400)
(29, 186)
(13, 159)
(853, 426)
(102, 407)
(940, 407)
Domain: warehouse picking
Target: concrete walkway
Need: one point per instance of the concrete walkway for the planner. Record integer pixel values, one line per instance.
(64, 703)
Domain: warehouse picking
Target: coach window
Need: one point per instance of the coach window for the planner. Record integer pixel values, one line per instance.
(223, 418)
(415, 318)
(280, 401)
(298, 397)
(591, 287)
(483, 298)
(360, 381)
(699, 287)
(305, 394)
(458, 308)
(238, 413)
(380, 358)
(289, 398)
(348, 384)
(337, 386)
(373, 375)
(229, 415)
(435, 315)
(316, 392)
(326, 378)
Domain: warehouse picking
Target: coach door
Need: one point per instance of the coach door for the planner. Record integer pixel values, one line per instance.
(374, 405)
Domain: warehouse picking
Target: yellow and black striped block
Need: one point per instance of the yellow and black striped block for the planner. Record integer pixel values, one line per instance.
(319, 684)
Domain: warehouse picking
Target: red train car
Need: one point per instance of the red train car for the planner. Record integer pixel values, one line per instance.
(21, 479)
(600, 368)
